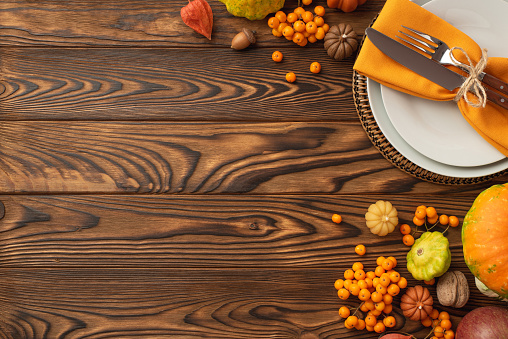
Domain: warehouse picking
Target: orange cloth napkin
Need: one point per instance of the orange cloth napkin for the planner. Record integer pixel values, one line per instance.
(491, 122)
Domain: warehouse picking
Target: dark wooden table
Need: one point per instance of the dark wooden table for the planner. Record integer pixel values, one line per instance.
(160, 185)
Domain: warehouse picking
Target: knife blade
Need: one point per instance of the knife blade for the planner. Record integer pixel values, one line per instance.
(427, 68)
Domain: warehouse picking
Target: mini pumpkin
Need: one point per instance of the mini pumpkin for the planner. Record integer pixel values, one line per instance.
(381, 218)
(429, 257)
(345, 5)
(341, 41)
(416, 303)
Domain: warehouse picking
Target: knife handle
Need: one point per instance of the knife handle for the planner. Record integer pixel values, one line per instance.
(497, 98)
(495, 83)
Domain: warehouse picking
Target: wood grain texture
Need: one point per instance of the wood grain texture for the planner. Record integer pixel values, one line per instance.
(172, 85)
(204, 231)
(186, 303)
(160, 157)
(92, 23)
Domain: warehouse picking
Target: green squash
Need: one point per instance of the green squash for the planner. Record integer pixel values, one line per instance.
(253, 9)
(429, 256)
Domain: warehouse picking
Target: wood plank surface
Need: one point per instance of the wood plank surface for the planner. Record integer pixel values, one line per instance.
(173, 84)
(184, 303)
(162, 157)
(96, 23)
(205, 231)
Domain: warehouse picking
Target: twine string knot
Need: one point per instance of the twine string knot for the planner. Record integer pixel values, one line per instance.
(473, 82)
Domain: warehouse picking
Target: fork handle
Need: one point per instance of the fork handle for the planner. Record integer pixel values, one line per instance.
(497, 98)
(495, 83)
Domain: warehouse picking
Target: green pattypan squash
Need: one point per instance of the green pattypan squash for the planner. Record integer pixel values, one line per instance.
(253, 9)
(429, 256)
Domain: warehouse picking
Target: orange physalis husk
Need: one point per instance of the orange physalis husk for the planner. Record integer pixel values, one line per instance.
(197, 14)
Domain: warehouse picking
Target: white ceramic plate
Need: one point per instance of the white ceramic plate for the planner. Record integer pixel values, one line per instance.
(451, 165)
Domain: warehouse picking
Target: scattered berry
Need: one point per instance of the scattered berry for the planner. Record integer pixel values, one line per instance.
(360, 250)
(277, 56)
(336, 218)
(315, 67)
(290, 77)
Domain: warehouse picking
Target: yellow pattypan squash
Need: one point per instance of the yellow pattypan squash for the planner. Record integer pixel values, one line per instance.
(381, 218)
(253, 9)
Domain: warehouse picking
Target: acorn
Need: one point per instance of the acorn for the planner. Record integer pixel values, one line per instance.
(243, 39)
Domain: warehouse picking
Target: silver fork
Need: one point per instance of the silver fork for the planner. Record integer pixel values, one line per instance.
(440, 52)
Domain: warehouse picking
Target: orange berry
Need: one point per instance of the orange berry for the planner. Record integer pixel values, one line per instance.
(434, 314)
(370, 274)
(311, 27)
(387, 264)
(326, 28)
(319, 21)
(417, 221)
(405, 229)
(362, 284)
(306, 2)
(402, 283)
(376, 296)
(307, 16)
(303, 43)
(281, 27)
(369, 282)
(291, 17)
(375, 282)
(394, 276)
(339, 283)
(343, 294)
(352, 320)
(360, 275)
(369, 328)
(319, 10)
(281, 16)
(435, 322)
(360, 325)
(375, 312)
(384, 279)
(453, 221)
(349, 274)
(408, 240)
(379, 260)
(431, 212)
(299, 11)
(357, 266)
(389, 321)
(273, 22)
(388, 308)
(430, 282)
(381, 289)
(290, 77)
(298, 38)
(421, 213)
(354, 289)
(379, 270)
(379, 306)
(387, 299)
(393, 289)
(299, 26)
(433, 220)
(443, 219)
(370, 320)
(439, 331)
(320, 33)
(369, 304)
(276, 33)
(344, 312)
(379, 327)
(449, 334)
(360, 249)
(364, 294)
(315, 67)
(288, 31)
(277, 56)
(443, 315)
(347, 283)
(312, 38)
(363, 308)
(336, 218)
(426, 322)
(446, 324)
(349, 327)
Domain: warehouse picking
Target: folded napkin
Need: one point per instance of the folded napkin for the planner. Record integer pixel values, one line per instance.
(491, 121)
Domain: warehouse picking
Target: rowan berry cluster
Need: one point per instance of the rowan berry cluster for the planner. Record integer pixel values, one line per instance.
(375, 289)
(300, 26)
(429, 218)
(440, 323)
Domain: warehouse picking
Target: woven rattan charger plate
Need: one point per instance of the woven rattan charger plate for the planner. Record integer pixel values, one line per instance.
(379, 140)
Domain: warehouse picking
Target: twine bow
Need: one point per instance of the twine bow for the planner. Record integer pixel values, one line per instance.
(473, 82)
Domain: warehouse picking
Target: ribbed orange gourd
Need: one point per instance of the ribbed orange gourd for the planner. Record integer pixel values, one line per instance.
(345, 5)
(485, 238)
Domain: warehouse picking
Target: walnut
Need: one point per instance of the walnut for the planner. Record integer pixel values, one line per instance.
(452, 289)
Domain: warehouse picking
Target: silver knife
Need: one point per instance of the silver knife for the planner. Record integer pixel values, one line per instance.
(424, 66)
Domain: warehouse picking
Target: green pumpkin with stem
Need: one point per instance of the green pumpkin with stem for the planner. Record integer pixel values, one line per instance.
(253, 9)
(429, 257)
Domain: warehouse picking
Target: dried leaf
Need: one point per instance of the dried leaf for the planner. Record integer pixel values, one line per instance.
(396, 336)
(197, 14)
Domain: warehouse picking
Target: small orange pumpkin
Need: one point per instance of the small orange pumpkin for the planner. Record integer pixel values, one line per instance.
(416, 303)
(345, 5)
(484, 238)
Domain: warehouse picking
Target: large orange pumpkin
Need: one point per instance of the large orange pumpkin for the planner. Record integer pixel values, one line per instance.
(485, 238)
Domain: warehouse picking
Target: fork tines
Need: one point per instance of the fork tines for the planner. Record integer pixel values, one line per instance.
(425, 40)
